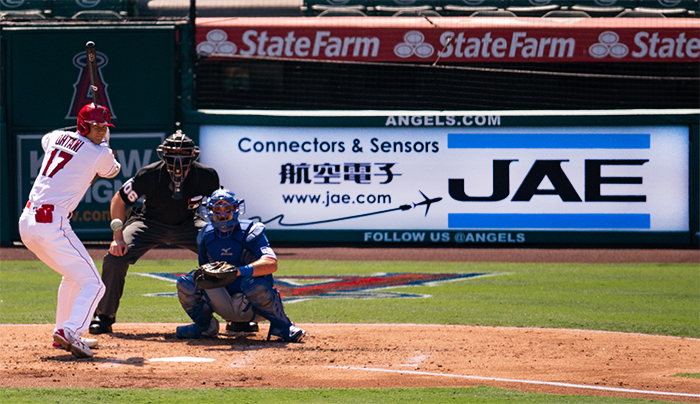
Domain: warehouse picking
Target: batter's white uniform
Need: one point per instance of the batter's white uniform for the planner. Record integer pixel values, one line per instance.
(70, 163)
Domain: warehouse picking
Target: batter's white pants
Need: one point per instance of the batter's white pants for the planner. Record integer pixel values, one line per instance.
(58, 247)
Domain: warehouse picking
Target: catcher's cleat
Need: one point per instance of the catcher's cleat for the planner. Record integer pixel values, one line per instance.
(242, 327)
(101, 325)
(295, 334)
(194, 331)
(291, 334)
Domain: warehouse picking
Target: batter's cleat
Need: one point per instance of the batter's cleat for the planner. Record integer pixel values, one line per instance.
(194, 331)
(90, 342)
(292, 334)
(242, 327)
(68, 341)
(60, 339)
(101, 325)
(80, 350)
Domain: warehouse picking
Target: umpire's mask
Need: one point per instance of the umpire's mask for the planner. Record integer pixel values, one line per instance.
(178, 152)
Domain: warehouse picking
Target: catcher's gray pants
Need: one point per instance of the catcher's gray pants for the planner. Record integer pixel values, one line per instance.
(233, 308)
(140, 237)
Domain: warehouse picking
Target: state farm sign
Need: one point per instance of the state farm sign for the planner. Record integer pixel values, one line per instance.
(481, 43)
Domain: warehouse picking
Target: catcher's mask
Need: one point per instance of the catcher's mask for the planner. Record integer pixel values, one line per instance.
(178, 152)
(92, 113)
(223, 211)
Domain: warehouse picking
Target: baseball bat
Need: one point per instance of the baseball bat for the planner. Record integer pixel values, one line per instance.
(91, 52)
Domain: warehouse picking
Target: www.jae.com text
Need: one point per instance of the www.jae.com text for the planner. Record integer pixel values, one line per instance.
(335, 199)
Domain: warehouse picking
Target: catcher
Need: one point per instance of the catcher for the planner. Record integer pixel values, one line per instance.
(235, 275)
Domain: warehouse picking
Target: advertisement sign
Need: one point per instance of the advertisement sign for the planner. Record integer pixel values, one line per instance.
(457, 177)
(92, 217)
(452, 40)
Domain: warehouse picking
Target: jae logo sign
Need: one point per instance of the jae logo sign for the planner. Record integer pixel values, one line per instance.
(605, 179)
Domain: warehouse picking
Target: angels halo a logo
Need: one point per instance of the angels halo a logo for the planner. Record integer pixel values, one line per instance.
(82, 92)
(300, 288)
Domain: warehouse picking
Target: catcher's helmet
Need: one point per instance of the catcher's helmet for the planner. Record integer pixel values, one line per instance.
(178, 152)
(223, 209)
(92, 113)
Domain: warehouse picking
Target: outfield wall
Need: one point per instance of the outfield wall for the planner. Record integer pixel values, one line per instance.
(379, 178)
(460, 178)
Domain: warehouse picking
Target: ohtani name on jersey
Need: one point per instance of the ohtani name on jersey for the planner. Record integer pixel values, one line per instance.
(69, 142)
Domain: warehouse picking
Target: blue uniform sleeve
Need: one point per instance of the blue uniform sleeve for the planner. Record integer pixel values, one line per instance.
(202, 247)
(258, 242)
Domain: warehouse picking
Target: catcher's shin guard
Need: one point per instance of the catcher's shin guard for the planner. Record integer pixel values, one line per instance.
(267, 303)
(194, 301)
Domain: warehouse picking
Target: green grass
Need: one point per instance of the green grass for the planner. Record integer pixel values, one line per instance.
(473, 395)
(643, 298)
(691, 375)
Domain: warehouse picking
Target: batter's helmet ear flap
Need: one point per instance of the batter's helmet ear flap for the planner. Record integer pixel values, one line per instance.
(83, 128)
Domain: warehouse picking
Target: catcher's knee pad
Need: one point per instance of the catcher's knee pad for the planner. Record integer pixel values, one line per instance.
(258, 291)
(193, 300)
(266, 301)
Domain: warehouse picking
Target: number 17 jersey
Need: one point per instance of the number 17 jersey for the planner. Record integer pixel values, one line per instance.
(70, 163)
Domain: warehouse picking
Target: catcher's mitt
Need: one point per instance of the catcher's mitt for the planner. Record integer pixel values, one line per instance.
(215, 275)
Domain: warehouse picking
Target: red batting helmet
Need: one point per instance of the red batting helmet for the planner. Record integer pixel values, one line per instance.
(92, 113)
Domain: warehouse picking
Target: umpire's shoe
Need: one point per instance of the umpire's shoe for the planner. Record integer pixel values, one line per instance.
(101, 325)
(242, 327)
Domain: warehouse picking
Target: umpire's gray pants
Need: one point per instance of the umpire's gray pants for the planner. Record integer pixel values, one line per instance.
(141, 236)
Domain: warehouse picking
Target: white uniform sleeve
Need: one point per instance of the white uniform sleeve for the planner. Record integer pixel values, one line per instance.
(45, 141)
(107, 165)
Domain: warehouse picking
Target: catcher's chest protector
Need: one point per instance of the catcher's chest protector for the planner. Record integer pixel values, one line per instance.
(237, 249)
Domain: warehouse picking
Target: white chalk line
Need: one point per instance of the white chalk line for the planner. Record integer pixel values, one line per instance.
(496, 379)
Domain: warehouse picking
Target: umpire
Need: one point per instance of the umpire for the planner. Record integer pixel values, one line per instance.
(172, 189)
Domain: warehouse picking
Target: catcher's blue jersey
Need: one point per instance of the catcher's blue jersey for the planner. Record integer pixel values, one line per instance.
(247, 244)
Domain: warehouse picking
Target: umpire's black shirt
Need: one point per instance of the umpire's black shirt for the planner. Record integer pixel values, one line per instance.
(154, 184)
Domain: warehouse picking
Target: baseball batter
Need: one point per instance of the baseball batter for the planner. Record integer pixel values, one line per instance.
(70, 163)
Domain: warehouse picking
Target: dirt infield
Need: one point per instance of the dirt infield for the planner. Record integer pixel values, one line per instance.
(360, 355)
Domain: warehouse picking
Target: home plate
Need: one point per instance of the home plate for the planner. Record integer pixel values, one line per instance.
(182, 359)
